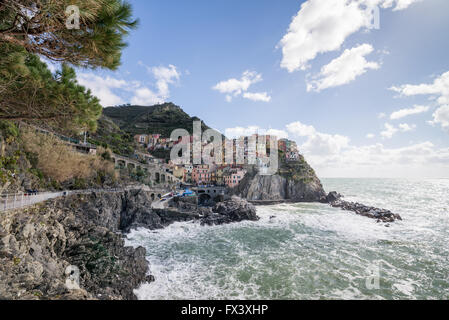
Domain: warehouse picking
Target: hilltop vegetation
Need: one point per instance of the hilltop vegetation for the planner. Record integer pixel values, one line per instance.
(163, 119)
(109, 135)
(296, 171)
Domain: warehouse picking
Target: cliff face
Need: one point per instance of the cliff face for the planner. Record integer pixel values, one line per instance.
(294, 182)
(38, 244)
(279, 188)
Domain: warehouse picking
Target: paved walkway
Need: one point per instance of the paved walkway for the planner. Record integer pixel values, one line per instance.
(17, 201)
(22, 200)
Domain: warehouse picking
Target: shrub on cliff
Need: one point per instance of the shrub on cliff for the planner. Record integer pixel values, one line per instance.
(298, 171)
(61, 163)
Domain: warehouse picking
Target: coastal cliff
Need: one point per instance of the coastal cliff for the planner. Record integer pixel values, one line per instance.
(294, 181)
(39, 243)
(297, 182)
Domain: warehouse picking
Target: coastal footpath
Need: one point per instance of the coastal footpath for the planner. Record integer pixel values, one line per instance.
(38, 245)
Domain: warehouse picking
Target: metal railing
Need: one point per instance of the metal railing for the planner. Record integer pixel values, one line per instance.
(23, 200)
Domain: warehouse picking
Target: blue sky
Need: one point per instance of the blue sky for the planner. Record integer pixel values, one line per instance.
(239, 65)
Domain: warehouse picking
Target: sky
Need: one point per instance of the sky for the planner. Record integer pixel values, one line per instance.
(361, 85)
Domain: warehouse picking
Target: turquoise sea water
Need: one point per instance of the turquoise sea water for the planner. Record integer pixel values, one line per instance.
(311, 251)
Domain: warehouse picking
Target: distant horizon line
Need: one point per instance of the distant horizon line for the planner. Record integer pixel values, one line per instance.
(391, 178)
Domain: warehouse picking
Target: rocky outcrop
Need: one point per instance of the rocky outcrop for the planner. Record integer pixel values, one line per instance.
(381, 215)
(256, 187)
(232, 210)
(186, 204)
(333, 196)
(38, 244)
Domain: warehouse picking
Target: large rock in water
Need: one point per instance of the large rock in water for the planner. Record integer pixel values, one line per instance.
(381, 215)
(232, 210)
(297, 183)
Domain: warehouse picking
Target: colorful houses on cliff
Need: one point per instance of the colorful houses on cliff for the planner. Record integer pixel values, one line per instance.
(223, 174)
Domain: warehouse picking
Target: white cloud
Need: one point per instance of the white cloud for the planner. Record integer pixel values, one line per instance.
(144, 96)
(111, 91)
(399, 4)
(235, 87)
(165, 76)
(103, 88)
(280, 134)
(439, 88)
(316, 142)
(381, 115)
(262, 96)
(404, 127)
(441, 116)
(407, 112)
(301, 130)
(344, 69)
(338, 158)
(332, 155)
(370, 136)
(389, 131)
(320, 26)
(238, 132)
(323, 25)
(422, 160)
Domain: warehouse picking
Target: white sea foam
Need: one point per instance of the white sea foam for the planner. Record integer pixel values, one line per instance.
(310, 251)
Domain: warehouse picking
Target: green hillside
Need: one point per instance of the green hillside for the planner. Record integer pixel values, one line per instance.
(109, 135)
(163, 119)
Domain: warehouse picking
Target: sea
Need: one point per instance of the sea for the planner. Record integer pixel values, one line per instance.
(311, 251)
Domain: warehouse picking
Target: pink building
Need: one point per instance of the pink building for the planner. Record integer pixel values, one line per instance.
(233, 178)
(201, 174)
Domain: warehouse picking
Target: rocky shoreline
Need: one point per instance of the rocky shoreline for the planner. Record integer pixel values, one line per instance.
(334, 199)
(381, 215)
(38, 244)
